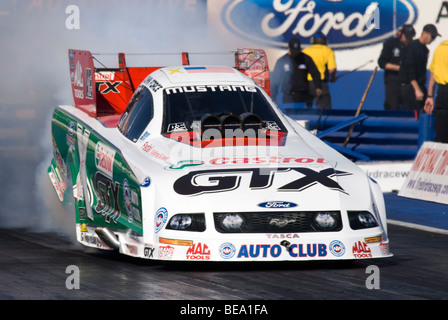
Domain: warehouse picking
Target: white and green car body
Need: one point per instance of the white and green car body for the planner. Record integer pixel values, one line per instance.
(201, 165)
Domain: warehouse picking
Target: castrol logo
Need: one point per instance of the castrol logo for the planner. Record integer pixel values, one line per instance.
(104, 159)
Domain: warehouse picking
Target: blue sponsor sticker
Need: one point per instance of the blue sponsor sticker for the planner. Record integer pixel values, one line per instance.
(146, 182)
(127, 199)
(144, 136)
(227, 250)
(160, 218)
(71, 128)
(337, 248)
(277, 205)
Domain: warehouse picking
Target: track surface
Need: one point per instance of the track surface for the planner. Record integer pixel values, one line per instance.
(33, 266)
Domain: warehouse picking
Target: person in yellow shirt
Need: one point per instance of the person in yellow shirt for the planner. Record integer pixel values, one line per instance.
(439, 75)
(325, 61)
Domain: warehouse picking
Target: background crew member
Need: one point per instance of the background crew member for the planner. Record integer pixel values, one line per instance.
(325, 61)
(413, 69)
(389, 60)
(439, 75)
(290, 76)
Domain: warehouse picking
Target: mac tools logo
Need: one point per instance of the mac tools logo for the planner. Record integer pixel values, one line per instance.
(346, 23)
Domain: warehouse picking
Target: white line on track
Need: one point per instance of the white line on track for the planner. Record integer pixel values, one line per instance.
(417, 226)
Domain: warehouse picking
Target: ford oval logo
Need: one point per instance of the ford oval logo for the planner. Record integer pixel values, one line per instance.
(277, 204)
(346, 23)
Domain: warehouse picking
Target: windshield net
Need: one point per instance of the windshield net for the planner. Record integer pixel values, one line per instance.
(190, 108)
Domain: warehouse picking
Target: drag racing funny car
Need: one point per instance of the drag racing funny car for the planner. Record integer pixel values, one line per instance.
(194, 162)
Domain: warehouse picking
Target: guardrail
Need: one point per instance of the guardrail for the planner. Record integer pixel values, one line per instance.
(376, 136)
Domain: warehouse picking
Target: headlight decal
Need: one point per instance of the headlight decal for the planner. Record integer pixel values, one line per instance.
(187, 222)
(361, 220)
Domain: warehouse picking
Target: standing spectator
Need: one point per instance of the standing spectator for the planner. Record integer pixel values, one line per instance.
(439, 75)
(290, 76)
(389, 60)
(325, 61)
(413, 69)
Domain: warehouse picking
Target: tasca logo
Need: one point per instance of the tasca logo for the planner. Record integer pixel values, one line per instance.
(346, 23)
(212, 181)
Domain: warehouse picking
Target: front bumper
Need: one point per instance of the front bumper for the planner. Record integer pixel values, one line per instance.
(211, 245)
(274, 247)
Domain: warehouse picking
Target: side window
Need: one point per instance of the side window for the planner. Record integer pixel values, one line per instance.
(138, 114)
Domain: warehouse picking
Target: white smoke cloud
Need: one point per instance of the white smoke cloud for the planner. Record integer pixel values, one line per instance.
(35, 42)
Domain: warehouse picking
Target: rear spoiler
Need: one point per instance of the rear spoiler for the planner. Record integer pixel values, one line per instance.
(107, 91)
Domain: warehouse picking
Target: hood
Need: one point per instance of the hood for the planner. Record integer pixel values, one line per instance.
(248, 178)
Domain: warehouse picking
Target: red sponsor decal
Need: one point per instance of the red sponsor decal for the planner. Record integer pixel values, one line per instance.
(198, 251)
(360, 250)
(266, 160)
(166, 252)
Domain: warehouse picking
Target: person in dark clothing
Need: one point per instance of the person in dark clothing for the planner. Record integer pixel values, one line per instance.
(290, 77)
(389, 60)
(413, 69)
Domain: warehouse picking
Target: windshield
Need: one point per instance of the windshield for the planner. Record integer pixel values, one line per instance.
(189, 108)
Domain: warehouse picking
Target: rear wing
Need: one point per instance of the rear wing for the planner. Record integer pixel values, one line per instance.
(254, 63)
(101, 91)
